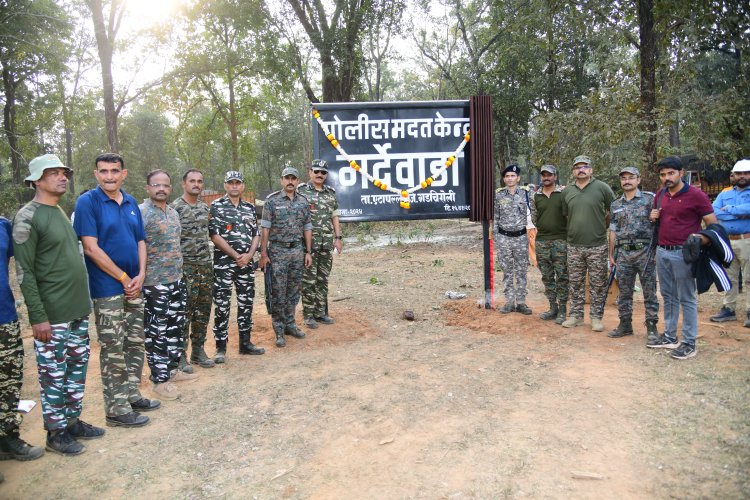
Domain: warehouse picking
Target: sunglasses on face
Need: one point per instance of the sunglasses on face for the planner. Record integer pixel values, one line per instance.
(320, 172)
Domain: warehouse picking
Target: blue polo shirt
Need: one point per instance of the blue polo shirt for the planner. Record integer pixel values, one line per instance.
(118, 229)
(732, 208)
(7, 302)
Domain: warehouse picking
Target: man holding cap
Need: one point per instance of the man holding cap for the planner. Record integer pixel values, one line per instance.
(512, 211)
(286, 243)
(632, 250)
(586, 205)
(326, 234)
(551, 247)
(233, 228)
(53, 281)
(732, 208)
(679, 209)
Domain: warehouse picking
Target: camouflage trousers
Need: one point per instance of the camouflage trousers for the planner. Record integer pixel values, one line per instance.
(513, 256)
(552, 258)
(198, 279)
(629, 265)
(243, 279)
(62, 363)
(119, 326)
(164, 320)
(287, 266)
(315, 285)
(594, 261)
(11, 377)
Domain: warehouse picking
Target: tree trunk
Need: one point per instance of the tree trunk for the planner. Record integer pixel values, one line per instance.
(9, 125)
(648, 88)
(105, 45)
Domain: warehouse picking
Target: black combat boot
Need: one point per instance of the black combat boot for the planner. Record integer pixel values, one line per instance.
(221, 352)
(624, 328)
(651, 331)
(561, 313)
(552, 313)
(280, 340)
(247, 347)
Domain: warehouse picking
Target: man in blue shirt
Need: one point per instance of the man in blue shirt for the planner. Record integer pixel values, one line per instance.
(11, 361)
(732, 208)
(109, 224)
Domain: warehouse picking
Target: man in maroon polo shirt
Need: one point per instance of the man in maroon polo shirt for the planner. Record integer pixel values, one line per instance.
(679, 210)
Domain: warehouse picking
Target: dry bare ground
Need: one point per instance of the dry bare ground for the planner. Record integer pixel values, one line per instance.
(460, 403)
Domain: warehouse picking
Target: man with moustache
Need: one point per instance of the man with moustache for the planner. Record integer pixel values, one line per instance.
(631, 250)
(163, 289)
(233, 229)
(586, 204)
(110, 227)
(551, 247)
(197, 267)
(732, 208)
(286, 243)
(679, 209)
(324, 209)
(510, 218)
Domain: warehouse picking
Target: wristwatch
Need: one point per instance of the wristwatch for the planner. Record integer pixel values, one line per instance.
(339, 237)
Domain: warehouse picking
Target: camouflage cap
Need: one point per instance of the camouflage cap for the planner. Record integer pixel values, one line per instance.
(290, 171)
(38, 165)
(319, 165)
(234, 175)
(549, 168)
(629, 170)
(582, 159)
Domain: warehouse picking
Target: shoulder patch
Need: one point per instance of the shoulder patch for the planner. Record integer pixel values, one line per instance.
(22, 223)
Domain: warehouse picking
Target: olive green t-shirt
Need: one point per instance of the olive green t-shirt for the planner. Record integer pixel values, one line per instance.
(50, 270)
(586, 210)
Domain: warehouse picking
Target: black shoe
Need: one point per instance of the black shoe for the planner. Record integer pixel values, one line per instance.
(523, 309)
(551, 314)
(145, 404)
(325, 319)
(508, 307)
(82, 430)
(13, 447)
(62, 443)
(685, 351)
(280, 340)
(294, 332)
(132, 419)
(250, 348)
(624, 328)
(724, 314)
(663, 342)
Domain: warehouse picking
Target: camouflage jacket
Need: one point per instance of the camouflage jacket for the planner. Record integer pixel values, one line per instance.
(323, 208)
(286, 218)
(629, 219)
(163, 253)
(237, 225)
(194, 237)
(511, 210)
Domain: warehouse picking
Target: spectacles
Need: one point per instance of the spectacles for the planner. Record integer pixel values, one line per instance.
(165, 186)
(320, 172)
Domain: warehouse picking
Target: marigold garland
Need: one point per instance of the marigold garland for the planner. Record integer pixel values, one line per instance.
(404, 203)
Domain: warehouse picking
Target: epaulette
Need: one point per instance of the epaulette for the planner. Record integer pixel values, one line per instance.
(273, 194)
(329, 187)
(648, 192)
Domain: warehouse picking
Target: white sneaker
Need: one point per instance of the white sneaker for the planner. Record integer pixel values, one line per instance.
(166, 390)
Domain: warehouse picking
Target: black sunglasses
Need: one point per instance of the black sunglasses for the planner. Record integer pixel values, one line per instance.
(318, 172)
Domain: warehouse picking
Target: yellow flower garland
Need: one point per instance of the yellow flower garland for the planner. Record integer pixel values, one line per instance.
(380, 184)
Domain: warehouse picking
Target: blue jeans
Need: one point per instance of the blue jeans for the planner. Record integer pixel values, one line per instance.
(678, 288)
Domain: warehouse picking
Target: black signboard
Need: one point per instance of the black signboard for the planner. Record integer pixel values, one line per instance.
(401, 145)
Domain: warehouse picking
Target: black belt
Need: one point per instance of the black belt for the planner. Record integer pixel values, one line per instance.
(671, 247)
(512, 234)
(286, 244)
(633, 247)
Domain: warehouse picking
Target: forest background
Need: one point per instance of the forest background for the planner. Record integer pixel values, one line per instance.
(227, 84)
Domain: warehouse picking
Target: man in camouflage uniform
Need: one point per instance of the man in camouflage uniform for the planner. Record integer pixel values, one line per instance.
(631, 250)
(53, 282)
(110, 227)
(586, 205)
(511, 215)
(234, 231)
(551, 247)
(287, 226)
(326, 234)
(197, 266)
(11, 361)
(163, 289)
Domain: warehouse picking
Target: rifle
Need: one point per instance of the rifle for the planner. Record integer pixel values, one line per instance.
(655, 236)
(612, 274)
(268, 287)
